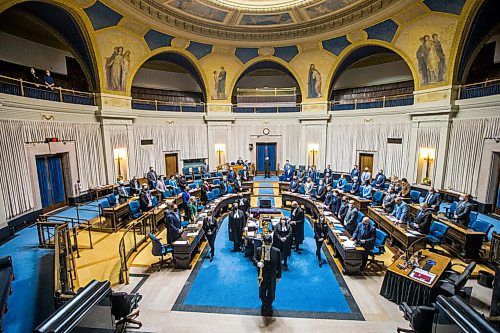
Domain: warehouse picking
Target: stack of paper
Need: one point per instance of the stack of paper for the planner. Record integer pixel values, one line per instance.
(349, 244)
(180, 242)
(336, 231)
(343, 238)
(192, 234)
(251, 234)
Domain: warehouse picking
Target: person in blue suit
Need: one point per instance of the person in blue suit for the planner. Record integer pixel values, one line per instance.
(335, 202)
(174, 225)
(342, 182)
(355, 172)
(379, 180)
(367, 190)
(287, 168)
(294, 185)
(401, 211)
(364, 235)
(355, 186)
(313, 173)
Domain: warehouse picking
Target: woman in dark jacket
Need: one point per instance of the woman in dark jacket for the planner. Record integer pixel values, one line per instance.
(320, 234)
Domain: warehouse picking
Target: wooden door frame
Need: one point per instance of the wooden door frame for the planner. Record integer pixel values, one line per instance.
(61, 204)
(363, 152)
(257, 155)
(176, 154)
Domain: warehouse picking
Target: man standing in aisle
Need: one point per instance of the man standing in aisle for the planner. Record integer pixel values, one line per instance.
(152, 178)
(297, 222)
(268, 261)
(267, 167)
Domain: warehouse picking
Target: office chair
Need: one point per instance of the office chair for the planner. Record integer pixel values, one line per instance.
(361, 189)
(450, 211)
(377, 198)
(160, 250)
(135, 209)
(452, 281)
(335, 183)
(210, 196)
(421, 318)
(154, 201)
(302, 190)
(481, 226)
(112, 199)
(378, 248)
(229, 189)
(414, 196)
(216, 182)
(436, 234)
(348, 188)
(124, 309)
(218, 174)
(216, 192)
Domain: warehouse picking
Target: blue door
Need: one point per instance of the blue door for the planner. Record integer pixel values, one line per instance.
(266, 150)
(51, 182)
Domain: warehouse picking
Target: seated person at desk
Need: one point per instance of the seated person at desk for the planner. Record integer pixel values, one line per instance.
(145, 199)
(224, 186)
(231, 175)
(135, 187)
(355, 186)
(297, 218)
(344, 207)
(366, 175)
(238, 185)
(240, 161)
(174, 225)
(335, 202)
(235, 226)
(388, 201)
(287, 169)
(328, 170)
(321, 191)
(401, 211)
(122, 192)
(320, 234)
(462, 213)
(308, 186)
(341, 183)
(433, 199)
(172, 181)
(364, 235)
(396, 184)
(160, 186)
(367, 190)
(351, 218)
(405, 188)
(423, 219)
(379, 180)
(355, 172)
(282, 239)
(328, 179)
(294, 185)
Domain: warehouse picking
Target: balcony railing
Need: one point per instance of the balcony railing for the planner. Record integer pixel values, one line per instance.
(480, 89)
(266, 109)
(23, 88)
(155, 105)
(371, 103)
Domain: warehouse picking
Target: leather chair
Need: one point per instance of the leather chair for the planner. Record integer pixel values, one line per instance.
(135, 209)
(160, 250)
(377, 198)
(124, 309)
(112, 199)
(216, 182)
(450, 211)
(414, 196)
(481, 226)
(421, 318)
(452, 281)
(436, 233)
(378, 247)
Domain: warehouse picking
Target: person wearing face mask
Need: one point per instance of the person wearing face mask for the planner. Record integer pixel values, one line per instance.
(238, 185)
(433, 199)
(401, 211)
(355, 172)
(328, 179)
(405, 188)
(282, 239)
(321, 191)
(342, 182)
(320, 234)
(355, 186)
(462, 213)
(366, 175)
(329, 196)
(236, 225)
(145, 199)
(270, 264)
(224, 186)
(423, 219)
(297, 222)
(335, 202)
(294, 185)
(308, 186)
(344, 208)
(243, 203)
(379, 180)
(135, 187)
(288, 172)
(328, 170)
(174, 225)
(367, 190)
(122, 192)
(351, 218)
(210, 227)
(389, 200)
(364, 235)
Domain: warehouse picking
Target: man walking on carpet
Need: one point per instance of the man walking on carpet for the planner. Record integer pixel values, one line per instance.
(269, 268)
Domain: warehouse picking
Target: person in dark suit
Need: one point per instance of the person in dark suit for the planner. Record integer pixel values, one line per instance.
(343, 209)
(364, 235)
(297, 219)
(287, 168)
(321, 191)
(246, 171)
(240, 161)
(205, 170)
(320, 234)
(328, 170)
(379, 180)
(294, 185)
(122, 192)
(267, 167)
(231, 175)
(328, 179)
(329, 196)
(243, 203)
(401, 211)
(433, 199)
(355, 186)
(313, 173)
(182, 182)
(145, 199)
(282, 239)
(351, 218)
(238, 185)
(135, 187)
(174, 225)
(224, 186)
(236, 225)
(423, 219)
(270, 264)
(210, 227)
(185, 201)
(335, 202)
(389, 200)
(152, 177)
(462, 213)
(355, 172)
(205, 188)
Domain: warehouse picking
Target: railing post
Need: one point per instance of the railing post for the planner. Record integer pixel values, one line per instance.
(60, 95)
(21, 86)
(356, 104)
(460, 92)
(383, 102)
(156, 105)
(93, 97)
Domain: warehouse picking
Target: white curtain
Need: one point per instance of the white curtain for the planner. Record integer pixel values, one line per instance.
(344, 141)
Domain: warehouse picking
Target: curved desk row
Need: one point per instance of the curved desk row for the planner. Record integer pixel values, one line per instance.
(350, 257)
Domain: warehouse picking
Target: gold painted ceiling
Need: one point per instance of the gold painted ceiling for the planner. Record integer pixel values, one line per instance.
(263, 20)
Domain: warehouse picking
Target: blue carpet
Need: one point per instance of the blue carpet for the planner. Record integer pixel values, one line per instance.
(262, 179)
(32, 297)
(229, 285)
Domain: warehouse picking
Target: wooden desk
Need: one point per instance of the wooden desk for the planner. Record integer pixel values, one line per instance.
(361, 203)
(284, 186)
(399, 287)
(107, 189)
(117, 214)
(351, 257)
(397, 233)
(460, 241)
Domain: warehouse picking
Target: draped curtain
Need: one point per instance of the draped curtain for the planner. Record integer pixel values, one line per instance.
(56, 179)
(43, 181)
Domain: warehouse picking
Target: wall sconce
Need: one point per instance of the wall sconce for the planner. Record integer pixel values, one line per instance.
(428, 155)
(219, 149)
(119, 155)
(313, 149)
(250, 146)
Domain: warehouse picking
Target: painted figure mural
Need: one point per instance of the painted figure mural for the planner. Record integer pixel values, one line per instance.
(431, 60)
(314, 83)
(220, 84)
(117, 69)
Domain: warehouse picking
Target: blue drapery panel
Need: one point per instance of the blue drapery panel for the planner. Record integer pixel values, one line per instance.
(263, 150)
(56, 179)
(43, 181)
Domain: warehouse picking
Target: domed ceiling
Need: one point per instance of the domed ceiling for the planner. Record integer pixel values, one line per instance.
(260, 20)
